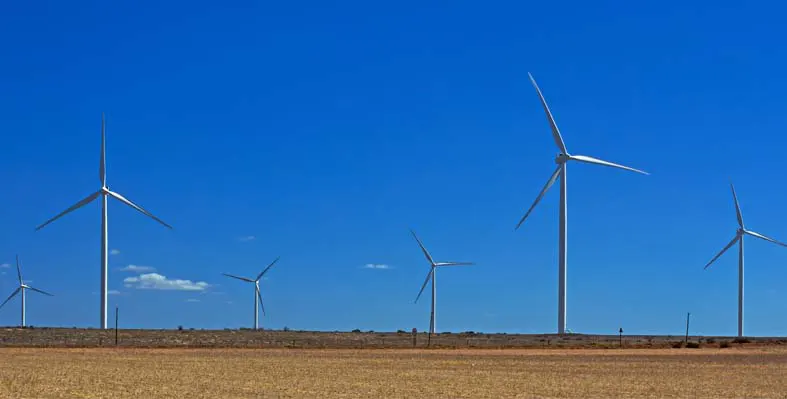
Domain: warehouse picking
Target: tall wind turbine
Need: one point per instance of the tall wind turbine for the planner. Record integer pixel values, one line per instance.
(257, 295)
(431, 276)
(21, 289)
(560, 172)
(104, 193)
(742, 231)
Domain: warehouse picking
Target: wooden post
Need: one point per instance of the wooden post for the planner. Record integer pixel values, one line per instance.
(688, 316)
(621, 337)
(415, 336)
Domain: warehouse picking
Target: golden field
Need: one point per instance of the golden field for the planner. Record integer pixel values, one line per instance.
(395, 373)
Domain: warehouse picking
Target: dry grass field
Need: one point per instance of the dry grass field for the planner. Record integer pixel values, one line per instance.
(392, 373)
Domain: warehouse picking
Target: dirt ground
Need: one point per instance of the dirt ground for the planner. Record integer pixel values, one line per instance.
(392, 373)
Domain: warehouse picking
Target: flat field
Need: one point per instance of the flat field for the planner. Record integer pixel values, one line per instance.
(392, 373)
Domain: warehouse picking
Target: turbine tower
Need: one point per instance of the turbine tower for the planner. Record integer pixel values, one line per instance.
(560, 172)
(21, 289)
(431, 276)
(104, 193)
(257, 295)
(742, 231)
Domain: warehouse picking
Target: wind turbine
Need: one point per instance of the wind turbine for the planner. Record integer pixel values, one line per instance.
(431, 276)
(21, 289)
(104, 193)
(742, 231)
(560, 172)
(257, 295)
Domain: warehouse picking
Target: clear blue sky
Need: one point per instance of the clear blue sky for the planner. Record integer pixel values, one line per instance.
(325, 132)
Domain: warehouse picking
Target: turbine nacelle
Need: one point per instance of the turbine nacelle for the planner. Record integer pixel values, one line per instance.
(562, 158)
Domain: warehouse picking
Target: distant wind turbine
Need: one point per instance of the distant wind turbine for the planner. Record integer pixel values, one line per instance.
(104, 193)
(21, 289)
(560, 172)
(431, 276)
(257, 295)
(742, 231)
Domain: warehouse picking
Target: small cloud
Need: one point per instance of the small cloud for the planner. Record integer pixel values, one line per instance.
(114, 252)
(5, 266)
(113, 292)
(137, 269)
(247, 238)
(377, 266)
(155, 281)
(192, 300)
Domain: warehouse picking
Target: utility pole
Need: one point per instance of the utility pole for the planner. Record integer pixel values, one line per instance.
(116, 325)
(688, 317)
(621, 337)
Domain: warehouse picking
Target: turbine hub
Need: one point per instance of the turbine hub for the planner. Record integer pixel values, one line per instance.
(561, 158)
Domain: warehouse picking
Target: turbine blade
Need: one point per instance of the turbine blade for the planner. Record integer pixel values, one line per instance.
(734, 240)
(587, 159)
(454, 264)
(262, 306)
(555, 131)
(420, 244)
(544, 190)
(18, 270)
(10, 296)
(74, 207)
(758, 235)
(239, 278)
(137, 207)
(737, 206)
(102, 167)
(39, 291)
(428, 276)
(267, 268)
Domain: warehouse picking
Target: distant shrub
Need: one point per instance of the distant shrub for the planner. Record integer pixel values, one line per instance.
(710, 341)
(400, 332)
(180, 328)
(286, 328)
(724, 344)
(678, 344)
(469, 333)
(740, 340)
(356, 330)
(693, 345)
(370, 331)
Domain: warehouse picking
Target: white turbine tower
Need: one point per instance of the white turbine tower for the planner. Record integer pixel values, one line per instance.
(560, 172)
(431, 276)
(104, 193)
(742, 231)
(21, 289)
(257, 295)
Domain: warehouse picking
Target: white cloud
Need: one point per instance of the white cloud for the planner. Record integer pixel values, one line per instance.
(113, 292)
(247, 238)
(5, 266)
(377, 266)
(155, 281)
(137, 269)
(114, 252)
(192, 300)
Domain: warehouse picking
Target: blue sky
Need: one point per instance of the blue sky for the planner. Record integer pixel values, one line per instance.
(326, 131)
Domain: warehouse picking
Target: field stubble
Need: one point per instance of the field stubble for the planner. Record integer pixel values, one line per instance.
(400, 373)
